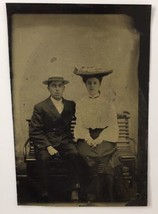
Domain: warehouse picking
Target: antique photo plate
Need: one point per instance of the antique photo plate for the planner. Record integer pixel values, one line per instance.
(49, 39)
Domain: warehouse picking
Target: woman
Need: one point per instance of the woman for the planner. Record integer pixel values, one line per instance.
(96, 133)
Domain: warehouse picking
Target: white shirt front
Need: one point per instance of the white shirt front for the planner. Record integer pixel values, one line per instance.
(96, 113)
(58, 104)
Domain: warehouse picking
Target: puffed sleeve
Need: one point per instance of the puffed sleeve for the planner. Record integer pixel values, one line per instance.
(111, 132)
(80, 131)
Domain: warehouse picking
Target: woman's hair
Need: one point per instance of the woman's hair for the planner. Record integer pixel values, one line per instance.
(85, 78)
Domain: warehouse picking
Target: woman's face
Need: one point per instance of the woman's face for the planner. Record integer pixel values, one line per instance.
(93, 86)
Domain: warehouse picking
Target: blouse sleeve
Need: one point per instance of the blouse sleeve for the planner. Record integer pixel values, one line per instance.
(80, 132)
(110, 133)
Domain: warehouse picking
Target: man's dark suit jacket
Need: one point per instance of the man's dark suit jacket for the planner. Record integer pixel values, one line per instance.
(48, 127)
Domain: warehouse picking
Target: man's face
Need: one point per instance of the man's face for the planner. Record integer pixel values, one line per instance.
(56, 89)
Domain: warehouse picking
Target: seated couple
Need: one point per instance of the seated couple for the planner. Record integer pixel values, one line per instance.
(94, 140)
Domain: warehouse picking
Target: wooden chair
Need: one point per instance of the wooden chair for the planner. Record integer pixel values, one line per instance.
(58, 166)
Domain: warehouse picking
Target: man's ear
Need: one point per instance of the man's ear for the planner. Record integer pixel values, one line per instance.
(63, 88)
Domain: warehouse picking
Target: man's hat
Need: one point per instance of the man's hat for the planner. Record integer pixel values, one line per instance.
(92, 71)
(54, 79)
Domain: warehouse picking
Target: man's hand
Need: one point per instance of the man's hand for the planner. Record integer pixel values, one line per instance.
(51, 150)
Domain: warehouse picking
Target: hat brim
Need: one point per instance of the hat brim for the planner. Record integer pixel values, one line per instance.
(89, 74)
(46, 82)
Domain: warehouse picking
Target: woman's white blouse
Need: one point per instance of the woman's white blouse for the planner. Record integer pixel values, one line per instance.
(96, 113)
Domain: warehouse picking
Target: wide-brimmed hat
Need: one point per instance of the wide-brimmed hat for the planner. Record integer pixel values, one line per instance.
(54, 79)
(91, 71)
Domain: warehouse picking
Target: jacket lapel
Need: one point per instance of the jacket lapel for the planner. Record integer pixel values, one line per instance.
(66, 106)
(53, 109)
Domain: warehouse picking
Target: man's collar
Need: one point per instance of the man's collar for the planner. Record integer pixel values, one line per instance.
(56, 101)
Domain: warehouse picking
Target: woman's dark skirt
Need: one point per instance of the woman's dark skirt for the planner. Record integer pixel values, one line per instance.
(103, 170)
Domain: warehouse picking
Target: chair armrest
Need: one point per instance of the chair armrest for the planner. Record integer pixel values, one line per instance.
(25, 148)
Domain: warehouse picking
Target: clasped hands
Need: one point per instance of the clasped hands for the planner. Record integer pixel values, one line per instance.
(93, 143)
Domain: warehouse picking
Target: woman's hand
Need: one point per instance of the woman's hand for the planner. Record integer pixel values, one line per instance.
(96, 142)
(90, 142)
(51, 150)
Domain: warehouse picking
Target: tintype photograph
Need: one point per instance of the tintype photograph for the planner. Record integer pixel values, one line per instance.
(79, 84)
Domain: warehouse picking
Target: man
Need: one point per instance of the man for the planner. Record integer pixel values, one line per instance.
(51, 134)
